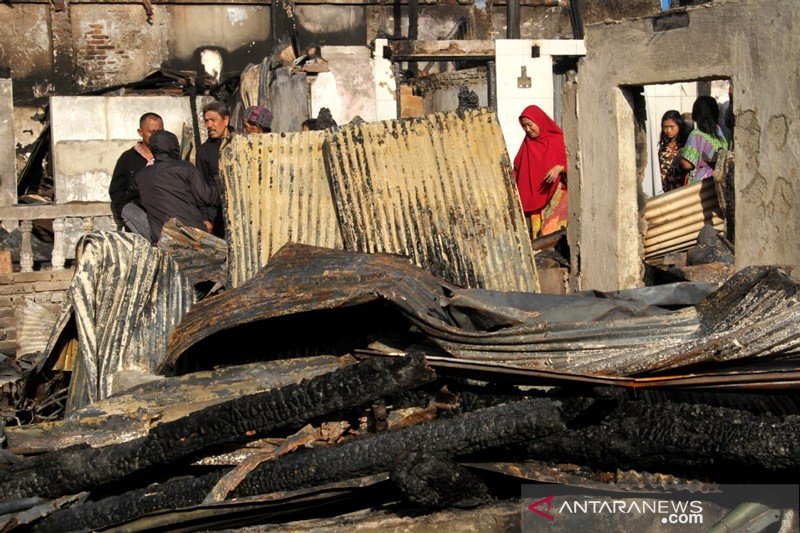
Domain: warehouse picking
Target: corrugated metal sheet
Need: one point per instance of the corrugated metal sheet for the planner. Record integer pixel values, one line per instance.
(674, 219)
(439, 190)
(34, 324)
(754, 315)
(276, 191)
(126, 298)
(201, 256)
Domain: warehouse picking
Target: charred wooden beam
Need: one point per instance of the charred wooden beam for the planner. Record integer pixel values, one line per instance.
(473, 432)
(131, 414)
(441, 50)
(80, 467)
(677, 437)
(607, 433)
(432, 482)
(469, 433)
(512, 19)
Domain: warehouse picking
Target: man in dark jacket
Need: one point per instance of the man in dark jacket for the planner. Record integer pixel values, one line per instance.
(132, 161)
(217, 119)
(172, 188)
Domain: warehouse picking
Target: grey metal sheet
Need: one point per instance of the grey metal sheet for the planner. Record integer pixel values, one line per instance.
(276, 191)
(437, 189)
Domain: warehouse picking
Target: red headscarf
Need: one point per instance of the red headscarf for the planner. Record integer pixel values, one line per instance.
(535, 158)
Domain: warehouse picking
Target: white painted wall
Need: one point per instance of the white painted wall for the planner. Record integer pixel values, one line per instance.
(510, 56)
(88, 133)
(385, 84)
(348, 90)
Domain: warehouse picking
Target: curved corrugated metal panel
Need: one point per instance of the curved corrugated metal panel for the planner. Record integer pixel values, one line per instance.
(756, 314)
(439, 190)
(126, 298)
(276, 191)
(34, 324)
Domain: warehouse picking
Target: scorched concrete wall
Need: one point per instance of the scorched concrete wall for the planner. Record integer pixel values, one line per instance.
(756, 45)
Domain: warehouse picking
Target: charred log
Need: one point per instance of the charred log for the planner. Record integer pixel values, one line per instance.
(729, 444)
(473, 432)
(435, 483)
(80, 467)
(608, 432)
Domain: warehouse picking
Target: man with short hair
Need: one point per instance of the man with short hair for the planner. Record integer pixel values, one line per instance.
(172, 188)
(132, 161)
(217, 119)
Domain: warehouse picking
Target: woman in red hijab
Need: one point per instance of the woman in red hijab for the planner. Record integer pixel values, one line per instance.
(541, 171)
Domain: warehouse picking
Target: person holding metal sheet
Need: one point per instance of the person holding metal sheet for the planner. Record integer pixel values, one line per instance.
(540, 169)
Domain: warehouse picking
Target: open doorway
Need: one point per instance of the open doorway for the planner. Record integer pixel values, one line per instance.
(686, 172)
(680, 96)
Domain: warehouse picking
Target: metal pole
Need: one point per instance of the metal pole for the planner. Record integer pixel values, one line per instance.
(491, 81)
(397, 98)
(413, 19)
(512, 19)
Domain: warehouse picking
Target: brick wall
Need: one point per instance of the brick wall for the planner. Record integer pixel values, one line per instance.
(96, 54)
(48, 288)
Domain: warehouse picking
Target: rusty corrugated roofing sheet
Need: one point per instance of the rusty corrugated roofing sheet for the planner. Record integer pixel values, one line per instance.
(754, 315)
(276, 191)
(201, 256)
(439, 190)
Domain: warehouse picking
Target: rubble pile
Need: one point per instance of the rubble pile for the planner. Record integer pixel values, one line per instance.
(327, 382)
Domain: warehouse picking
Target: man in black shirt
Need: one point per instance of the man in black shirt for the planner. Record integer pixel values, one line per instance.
(217, 119)
(132, 161)
(172, 188)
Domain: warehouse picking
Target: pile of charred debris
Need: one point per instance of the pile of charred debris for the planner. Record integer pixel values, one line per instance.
(369, 347)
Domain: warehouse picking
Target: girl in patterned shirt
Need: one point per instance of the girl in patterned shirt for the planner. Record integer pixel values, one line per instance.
(699, 155)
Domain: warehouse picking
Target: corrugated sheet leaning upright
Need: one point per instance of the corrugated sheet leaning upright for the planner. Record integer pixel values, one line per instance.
(276, 191)
(126, 297)
(437, 189)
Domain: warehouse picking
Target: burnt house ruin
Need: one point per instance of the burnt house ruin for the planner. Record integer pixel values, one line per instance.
(377, 341)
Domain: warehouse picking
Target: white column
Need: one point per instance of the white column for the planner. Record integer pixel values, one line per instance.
(57, 259)
(25, 252)
(385, 84)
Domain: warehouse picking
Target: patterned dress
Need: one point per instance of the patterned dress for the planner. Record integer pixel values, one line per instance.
(671, 175)
(701, 151)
